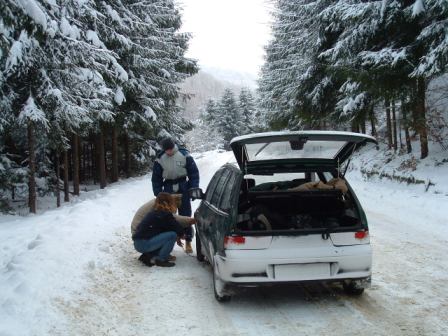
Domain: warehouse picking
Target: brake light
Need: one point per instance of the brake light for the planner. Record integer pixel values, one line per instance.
(361, 234)
(237, 240)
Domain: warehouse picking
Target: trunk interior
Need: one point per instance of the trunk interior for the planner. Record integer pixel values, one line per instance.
(281, 206)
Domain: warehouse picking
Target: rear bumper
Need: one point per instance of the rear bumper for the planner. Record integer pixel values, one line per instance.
(246, 267)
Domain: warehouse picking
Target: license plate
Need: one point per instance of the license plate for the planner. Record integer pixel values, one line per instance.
(302, 271)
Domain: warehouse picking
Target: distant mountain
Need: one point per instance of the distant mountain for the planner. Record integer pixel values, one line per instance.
(235, 77)
(210, 84)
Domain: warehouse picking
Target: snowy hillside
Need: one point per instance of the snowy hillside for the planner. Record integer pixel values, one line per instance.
(73, 271)
(239, 78)
(200, 88)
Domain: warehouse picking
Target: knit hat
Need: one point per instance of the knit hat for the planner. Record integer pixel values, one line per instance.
(167, 143)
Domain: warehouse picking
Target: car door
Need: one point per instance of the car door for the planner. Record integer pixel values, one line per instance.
(227, 206)
(213, 220)
(207, 214)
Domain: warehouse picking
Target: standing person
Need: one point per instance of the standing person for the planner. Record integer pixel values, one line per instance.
(176, 172)
(157, 232)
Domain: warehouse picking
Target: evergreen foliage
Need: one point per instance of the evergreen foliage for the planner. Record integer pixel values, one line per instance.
(340, 63)
(75, 72)
(247, 110)
(230, 117)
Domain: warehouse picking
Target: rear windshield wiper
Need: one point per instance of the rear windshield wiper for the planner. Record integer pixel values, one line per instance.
(262, 148)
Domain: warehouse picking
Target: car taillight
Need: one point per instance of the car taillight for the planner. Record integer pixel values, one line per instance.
(237, 240)
(361, 234)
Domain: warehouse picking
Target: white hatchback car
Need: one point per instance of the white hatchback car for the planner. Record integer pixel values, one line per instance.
(285, 213)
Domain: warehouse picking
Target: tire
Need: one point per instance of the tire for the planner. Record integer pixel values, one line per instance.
(217, 283)
(199, 256)
(350, 288)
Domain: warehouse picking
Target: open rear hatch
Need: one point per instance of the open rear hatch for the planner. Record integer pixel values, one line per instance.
(276, 152)
(265, 214)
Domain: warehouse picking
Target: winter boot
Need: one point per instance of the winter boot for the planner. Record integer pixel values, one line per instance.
(171, 258)
(188, 248)
(146, 259)
(165, 263)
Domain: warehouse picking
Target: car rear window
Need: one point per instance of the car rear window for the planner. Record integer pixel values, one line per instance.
(287, 150)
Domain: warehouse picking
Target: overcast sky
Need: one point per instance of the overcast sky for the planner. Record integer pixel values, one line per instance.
(228, 34)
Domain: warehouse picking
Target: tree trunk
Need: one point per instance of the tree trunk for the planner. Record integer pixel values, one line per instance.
(58, 177)
(363, 124)
(66, 185)
(420, 114)
(406, 127)
(372, 121)
(101, 160)
(388, 124)
(114, 154)
(399, 128)
(32, 169)
(127, 156)
(394, 126)
(75, 153)
(81, 159)
(93, 156)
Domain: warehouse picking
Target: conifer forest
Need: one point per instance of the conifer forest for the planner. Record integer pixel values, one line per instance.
(88, 87)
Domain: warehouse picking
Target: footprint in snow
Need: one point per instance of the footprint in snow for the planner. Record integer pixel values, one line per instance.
(36, 242)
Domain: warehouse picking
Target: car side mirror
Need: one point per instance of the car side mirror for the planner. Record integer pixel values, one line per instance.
(196, 193)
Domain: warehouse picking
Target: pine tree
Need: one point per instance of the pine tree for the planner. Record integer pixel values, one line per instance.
(86, 69)
(210, 114)
(247, 110)
(229, 120)
(294, 87)
(334, 61)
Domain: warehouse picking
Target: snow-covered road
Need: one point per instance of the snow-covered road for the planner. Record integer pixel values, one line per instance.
(73, 271)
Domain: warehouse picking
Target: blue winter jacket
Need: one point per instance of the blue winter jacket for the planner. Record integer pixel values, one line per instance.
(187, 168)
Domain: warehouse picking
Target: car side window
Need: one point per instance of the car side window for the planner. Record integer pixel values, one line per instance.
(224, 203)
(220, 186)
(211, 187)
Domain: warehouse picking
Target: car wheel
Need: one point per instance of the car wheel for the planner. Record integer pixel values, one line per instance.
(218, 287)
(199, 256)
(351, 288)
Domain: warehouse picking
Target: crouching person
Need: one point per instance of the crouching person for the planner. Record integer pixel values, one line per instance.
(146, 208)
(158, 231)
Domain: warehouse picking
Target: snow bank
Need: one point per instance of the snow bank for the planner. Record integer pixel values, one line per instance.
(45, 257)
(427, 175)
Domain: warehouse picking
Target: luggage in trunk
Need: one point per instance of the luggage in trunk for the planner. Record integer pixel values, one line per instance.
(306, 210)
